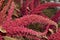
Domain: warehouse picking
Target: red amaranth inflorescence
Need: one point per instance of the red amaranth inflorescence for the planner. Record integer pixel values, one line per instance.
(10, 11)
(17, 26)
(44, 6)
(3, 12)
(31, 11)
(1, 38)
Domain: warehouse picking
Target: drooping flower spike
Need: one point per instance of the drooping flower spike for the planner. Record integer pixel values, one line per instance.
(3, 12)
(10, 11)
(28, 6)
(21, 25)
(41, 7)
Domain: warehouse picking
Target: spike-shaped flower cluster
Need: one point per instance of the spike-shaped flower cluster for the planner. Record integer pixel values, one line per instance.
(31, 12)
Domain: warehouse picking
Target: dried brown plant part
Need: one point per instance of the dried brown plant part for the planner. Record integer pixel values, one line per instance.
(52, 32)
(45, 37)
(2, 30)
(15, 14)
(16, 11)
(9, 38)
(33, 37)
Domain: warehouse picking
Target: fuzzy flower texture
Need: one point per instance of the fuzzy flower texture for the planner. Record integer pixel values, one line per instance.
(17, 16)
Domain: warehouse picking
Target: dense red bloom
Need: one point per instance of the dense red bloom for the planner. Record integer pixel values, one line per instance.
(25, 20)
(31, 13)
(10, 11)
(1, 38)
(3, 12)
(18, 26)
